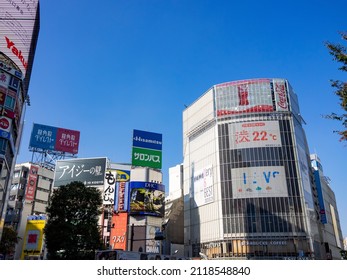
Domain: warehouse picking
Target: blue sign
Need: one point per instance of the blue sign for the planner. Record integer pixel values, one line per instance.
(147, 140)
(43, 137)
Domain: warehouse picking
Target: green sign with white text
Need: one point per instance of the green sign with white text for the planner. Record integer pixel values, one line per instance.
(146, 158)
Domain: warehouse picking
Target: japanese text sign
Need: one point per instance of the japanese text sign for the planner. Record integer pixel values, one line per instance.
(54, 139)
(89, 171)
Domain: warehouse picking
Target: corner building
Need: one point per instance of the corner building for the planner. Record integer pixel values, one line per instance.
(247, 179)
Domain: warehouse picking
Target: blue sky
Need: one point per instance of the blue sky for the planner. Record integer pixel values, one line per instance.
(106, 68)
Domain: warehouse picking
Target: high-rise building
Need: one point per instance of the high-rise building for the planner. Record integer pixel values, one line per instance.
(247, 179)
(330, 228)
(19, 28)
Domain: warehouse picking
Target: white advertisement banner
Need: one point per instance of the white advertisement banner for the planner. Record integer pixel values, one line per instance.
(203, 186)
(254, 134)
(264, 181)
(109, 187)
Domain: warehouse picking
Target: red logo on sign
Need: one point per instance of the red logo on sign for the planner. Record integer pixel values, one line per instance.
(4, 123)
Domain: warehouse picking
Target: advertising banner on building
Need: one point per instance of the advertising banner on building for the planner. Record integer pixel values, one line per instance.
(203, 186)
(33, 238)
(18, 19)
(89, 171)
(32, 182)
(147, 149)
(262, 181)
(118, 236)
(248, 96)
(152, 246)
(147, 198)
(254, 134)
(109, 187)
(54, 139)
(280, 91)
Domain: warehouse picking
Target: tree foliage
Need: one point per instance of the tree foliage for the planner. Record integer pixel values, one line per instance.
(72, 230)
(343, 254)
(8, 241)
(339, 53)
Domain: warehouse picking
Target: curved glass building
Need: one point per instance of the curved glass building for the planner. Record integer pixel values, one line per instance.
(247, 179)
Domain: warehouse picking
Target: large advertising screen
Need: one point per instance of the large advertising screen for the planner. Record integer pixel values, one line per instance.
(18, 19)
(54, 139)
(203, 186)
(147, 198)
(89, 171)
(254, 134)
(262, 181)
(246, 96)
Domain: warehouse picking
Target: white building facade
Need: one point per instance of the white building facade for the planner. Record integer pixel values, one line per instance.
(247, 181)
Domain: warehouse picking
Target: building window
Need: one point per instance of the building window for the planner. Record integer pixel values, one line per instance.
(10, 102)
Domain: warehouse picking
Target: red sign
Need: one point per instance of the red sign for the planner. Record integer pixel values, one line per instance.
(5, 123)
(67, 140)
(31, 184)
(118, 235)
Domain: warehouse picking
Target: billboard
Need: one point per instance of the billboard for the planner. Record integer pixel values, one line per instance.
(33, 238)
(146, 198)
(254, 134)
(89, 171)
(118, 235)
(246, 96)
(147, 149)
(54, 139)
(203, 186)
(147, 140)
(18, 20)
(262, 181)
(146, 158)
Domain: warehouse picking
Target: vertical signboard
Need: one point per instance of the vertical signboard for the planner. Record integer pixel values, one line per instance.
(118, 236)
(33, 238)
(109, 187)
(122, 190)
(280, 91)
(203, 186)
(147, 149)
(89, 171)
(152, 245)
(32, 182)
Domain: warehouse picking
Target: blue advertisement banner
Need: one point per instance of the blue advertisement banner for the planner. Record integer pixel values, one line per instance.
(147, 140)
(43, 137)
